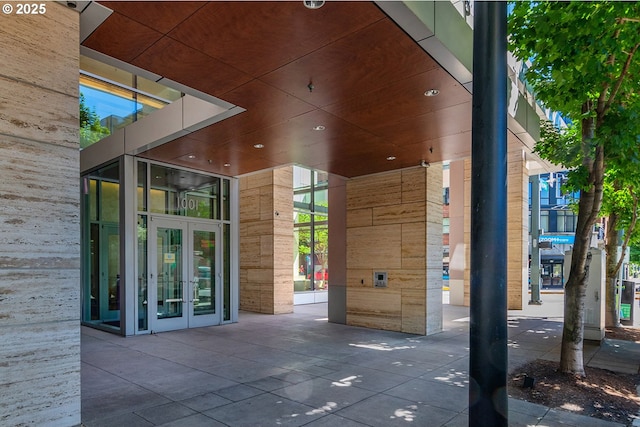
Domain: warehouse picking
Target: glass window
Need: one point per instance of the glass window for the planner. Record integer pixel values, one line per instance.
(311, 232)
(321, 179)
(142, 186)
(560, 223)
(226, 286)
(110, 201)
(566, 221)
(445, 225)
(321, 201)
(143, 294)
(111, 99)
(320, 253)
(101, 285)
(544, 221)
(303, 259)
(544, 194)
(226, 205)
(301, 188)
(184, 193)
(93, 198)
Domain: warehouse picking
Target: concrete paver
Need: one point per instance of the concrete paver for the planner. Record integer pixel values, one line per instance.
(299, 370)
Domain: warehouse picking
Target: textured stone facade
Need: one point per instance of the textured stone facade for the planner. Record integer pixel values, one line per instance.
(266, 242)
(517, 231)
(394, 224)
(39, 219)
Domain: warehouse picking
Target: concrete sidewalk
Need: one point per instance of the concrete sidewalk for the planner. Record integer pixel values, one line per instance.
(299, 370)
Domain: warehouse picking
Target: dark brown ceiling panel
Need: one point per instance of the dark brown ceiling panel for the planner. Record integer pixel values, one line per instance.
(427, 127)
(162, 16)
(177, 148)
(451, 147)
(276, 105)
(382, 52)
(222, 159)
(265, 105)
(121, 38)
(296, 134)
(191, 67)
(369, 80)
(258, 37)
(405, 98)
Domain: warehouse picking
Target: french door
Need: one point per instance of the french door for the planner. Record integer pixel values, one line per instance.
(184, 279)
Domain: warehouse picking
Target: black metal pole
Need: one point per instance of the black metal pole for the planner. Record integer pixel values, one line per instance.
(488, 330)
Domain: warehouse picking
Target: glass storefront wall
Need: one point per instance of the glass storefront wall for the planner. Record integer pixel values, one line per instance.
(101, 246)
(182, 242)
(311, 233)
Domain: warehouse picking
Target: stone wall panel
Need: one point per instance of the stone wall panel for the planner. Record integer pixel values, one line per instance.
(374, 308)
(25, 119)
(40, 216)
(374, 247)
(266, 242)
(40, 374)
(40, 50)
(403, 238)
(377, 190)
(37, 296)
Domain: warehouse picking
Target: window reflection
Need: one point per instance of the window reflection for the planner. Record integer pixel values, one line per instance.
(111, 99)
(183, 193)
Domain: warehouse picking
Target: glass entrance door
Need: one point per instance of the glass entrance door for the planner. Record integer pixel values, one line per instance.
(168, 294)
(204, 303)
(184, 280)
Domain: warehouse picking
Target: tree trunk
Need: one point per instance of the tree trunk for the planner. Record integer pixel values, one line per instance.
(612, 316)
(571, 356)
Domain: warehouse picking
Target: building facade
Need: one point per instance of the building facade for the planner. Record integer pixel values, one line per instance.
(187, 213)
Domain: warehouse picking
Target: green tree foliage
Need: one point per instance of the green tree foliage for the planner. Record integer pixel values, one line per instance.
(634, 254)
(90, 128)
(583, 65)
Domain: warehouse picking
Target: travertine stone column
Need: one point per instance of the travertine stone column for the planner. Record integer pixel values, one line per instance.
(458, 291)
(337, 310)
(394, 225)
(517, 228)
(434, 249)
(467, 232)
(39, 218)
(266, 242)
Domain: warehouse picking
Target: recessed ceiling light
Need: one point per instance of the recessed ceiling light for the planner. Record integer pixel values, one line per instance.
(391, 158)
(313, 4)
(258, 146)
(432, 92)
(191, 156)
(226, 165)
(319, 127)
